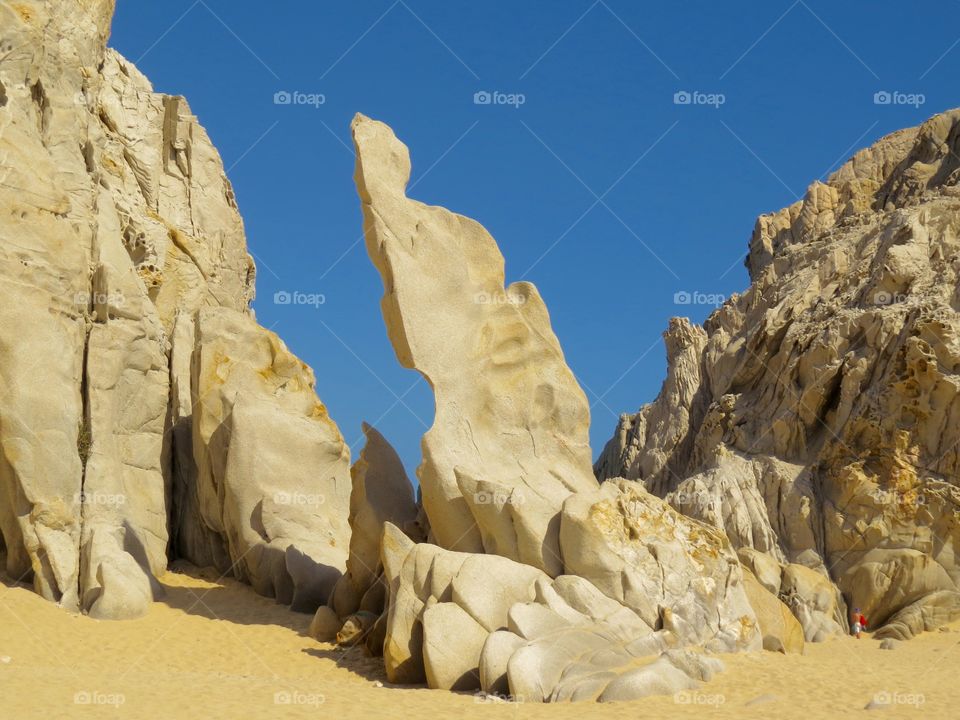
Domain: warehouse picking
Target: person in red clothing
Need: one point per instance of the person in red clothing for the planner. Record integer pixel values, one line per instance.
(858, 623)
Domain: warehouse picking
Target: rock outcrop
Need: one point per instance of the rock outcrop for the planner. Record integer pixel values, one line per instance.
(814, 418)
(510, 436)
(381, 493)
(537, 582)
(467, 621)
(117, 226)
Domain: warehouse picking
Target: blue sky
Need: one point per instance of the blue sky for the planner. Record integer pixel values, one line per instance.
(601, 188)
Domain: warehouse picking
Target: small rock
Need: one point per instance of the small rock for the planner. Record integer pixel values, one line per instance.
(5, 659)
(889, 644)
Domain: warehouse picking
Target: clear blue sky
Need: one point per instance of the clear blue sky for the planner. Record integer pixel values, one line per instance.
(685, 181)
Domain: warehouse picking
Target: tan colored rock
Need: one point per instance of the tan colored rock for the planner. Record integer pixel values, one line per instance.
(929, 613)
(463, 621)
(452, 643)
(815, 601)
(498, 648)
(381, 493)
(325, 625)
(279, 499)
(509, 411)
(818, 411)
(643, 554)
(781, 631)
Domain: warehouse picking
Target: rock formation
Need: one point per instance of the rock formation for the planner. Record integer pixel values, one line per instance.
(117, 227)
(510, 435)
(536, 581)
(468, 621)
(814, 418)
(381, 493)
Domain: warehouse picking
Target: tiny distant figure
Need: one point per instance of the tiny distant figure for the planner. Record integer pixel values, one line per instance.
(858, 623)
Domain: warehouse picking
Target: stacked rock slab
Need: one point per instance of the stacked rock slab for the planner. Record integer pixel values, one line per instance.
(466, 621)
(273, 471)
(117, 225)
(380, 493)
(563, 556)
(510, 436)
(818, 411)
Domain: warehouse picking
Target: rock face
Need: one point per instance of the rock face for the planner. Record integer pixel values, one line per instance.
(814, 418)
(466, 621)
(672, 571)
(539, 584)
(510, 437)
(117, 226)
(381, 493)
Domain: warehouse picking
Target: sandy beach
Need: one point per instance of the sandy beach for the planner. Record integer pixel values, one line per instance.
(213, 648)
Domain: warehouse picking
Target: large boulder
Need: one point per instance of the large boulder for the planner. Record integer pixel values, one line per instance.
(511, 422)
(669, 568)
(380, 493)
(466, 621)
(815, 601)
(278, 499)
(781, 631)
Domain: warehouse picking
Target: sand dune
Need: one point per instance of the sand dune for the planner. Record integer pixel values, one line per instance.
(215, 649)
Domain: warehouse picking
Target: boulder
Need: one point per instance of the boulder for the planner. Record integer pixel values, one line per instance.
(380, 493)
(280, 499)
(452, 644)
(815, 601)
(639, 551)
(781, 631)
(325, 625)
(928, 613)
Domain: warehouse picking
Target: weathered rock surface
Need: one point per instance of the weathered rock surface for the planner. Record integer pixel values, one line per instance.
(380, 493)
(672, 570)
(467, 621)
(815, 417)
(511, 422)
(781, 631)
(503, 473)
(117, 225)
(272, 468)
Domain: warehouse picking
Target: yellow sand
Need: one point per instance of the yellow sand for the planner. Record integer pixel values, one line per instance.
(216, 650)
